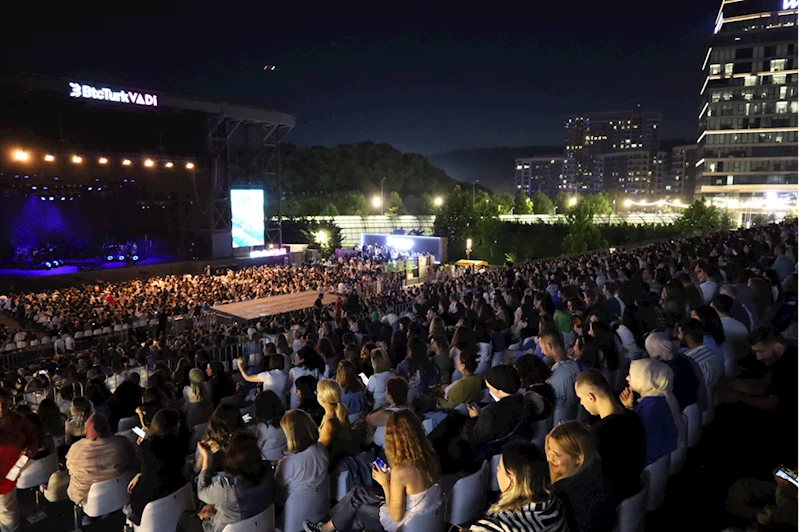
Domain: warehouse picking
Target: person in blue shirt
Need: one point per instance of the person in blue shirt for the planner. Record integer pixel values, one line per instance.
(656, 406)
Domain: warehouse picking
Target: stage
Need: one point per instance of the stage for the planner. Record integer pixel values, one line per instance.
(267, 306)
(80, 265)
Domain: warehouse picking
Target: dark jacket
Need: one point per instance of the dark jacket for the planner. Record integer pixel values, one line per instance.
(498, 422)
(160, 462)
(588, 498)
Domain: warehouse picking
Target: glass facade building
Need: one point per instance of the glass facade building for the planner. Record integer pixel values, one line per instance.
(747, 145)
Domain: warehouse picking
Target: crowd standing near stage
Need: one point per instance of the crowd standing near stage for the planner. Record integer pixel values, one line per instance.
(557, 382)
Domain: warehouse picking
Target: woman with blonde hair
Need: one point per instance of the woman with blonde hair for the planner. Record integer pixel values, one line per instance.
(526, 502)
(657, 407)
(577, 479)
(409, 482)
(79, 412)
(334, 431)
(376, 385)
(306, 462)
(197, 390)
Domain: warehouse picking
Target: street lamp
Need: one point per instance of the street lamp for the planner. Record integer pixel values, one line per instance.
(439, 201)
(628, 203)
(572, 202)
(376, 202)
(468, 248)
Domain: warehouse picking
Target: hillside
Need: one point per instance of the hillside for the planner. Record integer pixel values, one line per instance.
(492, 166)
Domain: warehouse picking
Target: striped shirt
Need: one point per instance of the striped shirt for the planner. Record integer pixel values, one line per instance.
(546, 516)
(712, 366)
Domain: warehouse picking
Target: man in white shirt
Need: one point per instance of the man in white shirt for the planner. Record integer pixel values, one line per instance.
(708, 287)
(298, 343)
(564, 375)
(736, 336)
(710, 363)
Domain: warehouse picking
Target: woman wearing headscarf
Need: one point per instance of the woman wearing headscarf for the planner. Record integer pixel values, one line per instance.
(197, 396)
(657, 407)
(99, 456)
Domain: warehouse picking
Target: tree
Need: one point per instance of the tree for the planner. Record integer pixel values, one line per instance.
(699, 216)
(395, 206)
(598, 203)
(542, 204)
(465, 216)
(504, 203)
(329, 210)
(583, 234)
(352, 203)
(562, 202)
(522, 204)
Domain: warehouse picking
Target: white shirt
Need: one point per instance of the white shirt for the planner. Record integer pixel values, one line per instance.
(564, 375)
(712, 367)
(377, 386)
(275, 380)
(736, 344)
(303, 471)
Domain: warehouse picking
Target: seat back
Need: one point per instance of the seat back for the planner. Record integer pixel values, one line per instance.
(468, 498)
(632, 510)
(129, 435)
(679, 454)
(658, 477)
(493, 485)
(127, 423)
(162, 515)
(38, 472)
(198, 431)
(108, 496)
(379, 437)
(263, 522)
(340, 487)
(541, 430)
(462, 409)
(311, 505)
(694, 424)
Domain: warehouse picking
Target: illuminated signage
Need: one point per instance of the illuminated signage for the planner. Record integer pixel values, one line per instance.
(276, 252)
(790, 4)
(399, 243)
(130, 97)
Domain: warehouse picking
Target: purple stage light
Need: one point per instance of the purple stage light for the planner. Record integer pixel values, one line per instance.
(121, 257)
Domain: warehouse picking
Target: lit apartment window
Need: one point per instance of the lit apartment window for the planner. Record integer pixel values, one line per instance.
(728, 68)
(750, 81)
(777, 65)
(782, 108)
(715, 70)
(778, 79)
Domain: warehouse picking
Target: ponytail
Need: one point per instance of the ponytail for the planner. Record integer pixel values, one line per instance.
(342, 413)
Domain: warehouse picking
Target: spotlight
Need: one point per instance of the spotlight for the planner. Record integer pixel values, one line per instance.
(125, 162)
(43, 198)
(135, 258)
(49, 158)
(89, 189)
(110, 257)
(169, 165)
(148, 163)
(48, 264)
(33, 187)
(21, 156)
(63, 198)
(189, 166)
(103, 160)
(77, 159)
(50, 198)
(121, 257)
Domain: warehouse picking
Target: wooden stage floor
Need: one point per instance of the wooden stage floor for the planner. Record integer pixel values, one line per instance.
(268, 306)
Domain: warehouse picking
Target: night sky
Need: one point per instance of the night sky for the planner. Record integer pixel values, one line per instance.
(426, 77)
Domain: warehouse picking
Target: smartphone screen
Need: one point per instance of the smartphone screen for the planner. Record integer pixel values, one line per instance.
(784, 473)
(138, 432)
(380, 464)
(246, 418)
(364, 378)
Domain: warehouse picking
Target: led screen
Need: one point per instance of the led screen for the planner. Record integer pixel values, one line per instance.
(247, 213)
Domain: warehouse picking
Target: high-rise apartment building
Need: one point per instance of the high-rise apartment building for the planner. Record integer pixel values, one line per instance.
(590, 135)
(546, 174)
(683, 171)
(748, 117)
(629, 171)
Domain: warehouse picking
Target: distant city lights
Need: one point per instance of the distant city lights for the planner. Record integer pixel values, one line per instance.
(21, 156)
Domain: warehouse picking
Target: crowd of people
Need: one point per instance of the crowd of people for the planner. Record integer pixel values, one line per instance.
(570, 376)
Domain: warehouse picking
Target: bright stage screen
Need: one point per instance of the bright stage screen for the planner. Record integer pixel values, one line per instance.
(247, 213)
